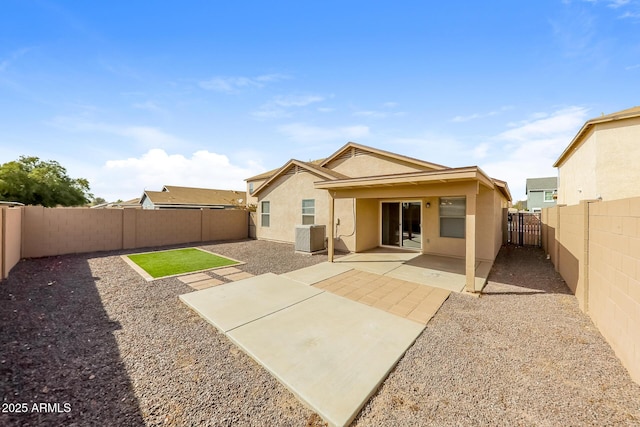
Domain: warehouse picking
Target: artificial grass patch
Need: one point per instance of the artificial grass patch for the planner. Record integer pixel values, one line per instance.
(178, 261)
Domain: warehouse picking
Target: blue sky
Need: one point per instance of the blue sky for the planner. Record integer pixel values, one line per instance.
(138, 94)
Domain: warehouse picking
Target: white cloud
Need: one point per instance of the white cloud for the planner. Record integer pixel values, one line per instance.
(235, 83)
(474, 116)
(387, 111)
(529, 150)
(543, 125)
(279, 106)
(301, 132)
(146, 135)
(128, 178)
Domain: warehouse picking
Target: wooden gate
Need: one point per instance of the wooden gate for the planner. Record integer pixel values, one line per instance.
(524, 229)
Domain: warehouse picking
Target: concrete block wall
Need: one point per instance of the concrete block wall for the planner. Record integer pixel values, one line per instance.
(10, 232)
(614, 277)
(35, 231)
(596, 248)
(56, 231)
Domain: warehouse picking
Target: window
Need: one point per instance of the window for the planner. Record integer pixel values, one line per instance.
(308, 211)
(251, 188)
(265, 219)
(548, 195)
(452, 217)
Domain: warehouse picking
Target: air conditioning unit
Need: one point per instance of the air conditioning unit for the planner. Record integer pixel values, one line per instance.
(310, 238)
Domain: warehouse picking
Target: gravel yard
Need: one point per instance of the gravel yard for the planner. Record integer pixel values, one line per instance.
(87, 331)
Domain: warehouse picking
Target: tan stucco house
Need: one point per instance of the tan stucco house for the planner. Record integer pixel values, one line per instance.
(175, 197)
(367, 197)
(601, 162)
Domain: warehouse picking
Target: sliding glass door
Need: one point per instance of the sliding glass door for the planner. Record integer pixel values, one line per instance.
(401, 224)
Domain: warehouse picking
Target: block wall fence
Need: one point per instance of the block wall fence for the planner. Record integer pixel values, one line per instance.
(35, 231)
(595, 246)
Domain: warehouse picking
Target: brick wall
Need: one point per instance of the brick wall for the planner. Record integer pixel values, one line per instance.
(601, 265)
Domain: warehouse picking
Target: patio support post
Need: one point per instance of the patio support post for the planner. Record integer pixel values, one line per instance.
(331, 227)
(470, 238)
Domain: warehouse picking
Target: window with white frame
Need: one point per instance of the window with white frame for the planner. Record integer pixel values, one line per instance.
(452, 217)
(251, 188)
(308, 211)
(548, 195)
(265, 214)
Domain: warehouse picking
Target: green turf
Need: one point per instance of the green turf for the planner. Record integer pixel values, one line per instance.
(178, 261)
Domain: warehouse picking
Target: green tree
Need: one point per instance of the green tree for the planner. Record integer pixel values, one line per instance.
(32, 181)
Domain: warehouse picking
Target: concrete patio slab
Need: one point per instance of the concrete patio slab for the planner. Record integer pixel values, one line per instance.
(442, 279)
(432, 270)
(403, 298)
(317, 273)
(234, 304)
(331, 352)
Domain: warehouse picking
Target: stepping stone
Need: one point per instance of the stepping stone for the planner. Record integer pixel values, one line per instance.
(227, 271)
(190, 278)
(239, 276)
(204, 284)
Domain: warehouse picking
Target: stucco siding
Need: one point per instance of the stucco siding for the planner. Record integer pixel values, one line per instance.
(577, 176)
(361, 165)
(618, 151)
(604, 165)
(368, 224)
(285, 197)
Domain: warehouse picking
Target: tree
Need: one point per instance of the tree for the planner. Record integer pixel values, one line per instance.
(32, 181)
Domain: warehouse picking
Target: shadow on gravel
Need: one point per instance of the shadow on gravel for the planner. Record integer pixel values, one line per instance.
(59, 360)
(523, 270)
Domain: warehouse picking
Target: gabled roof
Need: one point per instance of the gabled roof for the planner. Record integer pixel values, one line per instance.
(548, 183)
(172, 195)
(629, 113)
(269, 174)
(350, 145)
(309, 166)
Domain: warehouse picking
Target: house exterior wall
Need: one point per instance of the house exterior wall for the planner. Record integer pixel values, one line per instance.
(367, 164)
(618, 151)
(147, 203)
(604, 165)
(577, 176)
(368, 224)
(596, 248)
(251, 199)
(535, 200)
(489, 216)
(285, 197)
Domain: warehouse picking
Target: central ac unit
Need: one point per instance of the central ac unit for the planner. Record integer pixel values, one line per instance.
(310, 238)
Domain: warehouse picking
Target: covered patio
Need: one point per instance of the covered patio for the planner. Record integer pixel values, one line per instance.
(426, 269)
(454, 240)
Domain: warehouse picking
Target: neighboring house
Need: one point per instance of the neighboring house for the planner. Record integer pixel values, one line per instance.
(601, 162)
(129, 204)
(369, 197)
(173, 197)
(541, 193)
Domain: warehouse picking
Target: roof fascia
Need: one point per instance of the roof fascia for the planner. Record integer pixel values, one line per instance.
(283, 169)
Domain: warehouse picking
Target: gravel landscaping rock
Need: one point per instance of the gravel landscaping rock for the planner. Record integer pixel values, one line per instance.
(89, 332)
